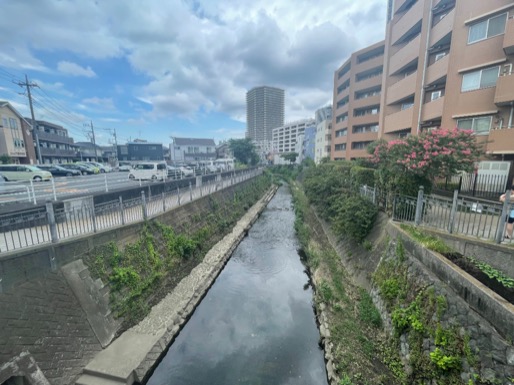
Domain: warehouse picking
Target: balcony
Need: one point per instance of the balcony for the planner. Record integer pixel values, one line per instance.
(402, 89)
(508, 38)
(45, 151)
(364, 137)
(432, 110)
(501, 141)
(364, 120)
(370, 64)
(443, 28)
(398, 121)
(405, 55)
(368, 83)
(54, 138)
(437, 70)
(407, 21)
(364, 102)
(504, 94)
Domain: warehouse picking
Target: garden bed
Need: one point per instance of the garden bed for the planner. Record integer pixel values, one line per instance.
(469, 267)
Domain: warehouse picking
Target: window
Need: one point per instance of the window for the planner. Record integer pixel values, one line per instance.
(480, 125)
(360, 145)
(367, 94)
(342, 102)
(340, 133)
(365, 129)
(439, 56)
(407, 105)
(13, 123)
(340, 147)
(341, 118)
(435, 95)
(485, 29)
(5, 122)
(367, 111)
(480, 79)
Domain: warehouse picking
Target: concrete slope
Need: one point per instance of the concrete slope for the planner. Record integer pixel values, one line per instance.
(133, 354)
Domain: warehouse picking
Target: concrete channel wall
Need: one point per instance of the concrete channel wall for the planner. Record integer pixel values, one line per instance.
(54, 317)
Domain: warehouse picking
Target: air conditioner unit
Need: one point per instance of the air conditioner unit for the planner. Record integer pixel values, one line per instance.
(507, 69)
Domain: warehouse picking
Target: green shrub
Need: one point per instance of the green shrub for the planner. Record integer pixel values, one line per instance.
(367, 310)
(444, 362)
(354, 217)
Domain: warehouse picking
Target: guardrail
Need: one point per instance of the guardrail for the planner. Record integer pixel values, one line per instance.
(462, 215)
(62, 187)
(81, 216)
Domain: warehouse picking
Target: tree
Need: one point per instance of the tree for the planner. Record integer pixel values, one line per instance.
(244, 151)
(5, 159)
(290, 157)
(421, 159)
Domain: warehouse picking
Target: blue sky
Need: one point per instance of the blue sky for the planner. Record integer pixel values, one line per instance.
(178, 67)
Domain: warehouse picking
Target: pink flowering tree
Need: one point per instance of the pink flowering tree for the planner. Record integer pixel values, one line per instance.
(419, 160)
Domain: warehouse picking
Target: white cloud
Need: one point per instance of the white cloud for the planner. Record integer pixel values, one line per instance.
(198, 56)
(70, 68)
(103, 103)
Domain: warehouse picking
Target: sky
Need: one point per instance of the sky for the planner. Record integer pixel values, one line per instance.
(175, 68)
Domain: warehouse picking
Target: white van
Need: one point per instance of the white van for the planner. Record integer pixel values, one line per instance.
(149, 171)
(22, 172)
(207, 165)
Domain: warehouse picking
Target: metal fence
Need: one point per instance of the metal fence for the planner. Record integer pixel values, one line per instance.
(82, 216)
(486, 220)
(475, 185)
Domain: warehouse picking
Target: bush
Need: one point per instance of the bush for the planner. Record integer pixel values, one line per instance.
(354, 217)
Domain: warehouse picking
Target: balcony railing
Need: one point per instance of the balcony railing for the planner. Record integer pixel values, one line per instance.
(45, 151)
(504, 93)
(46, 136)
(508, 39)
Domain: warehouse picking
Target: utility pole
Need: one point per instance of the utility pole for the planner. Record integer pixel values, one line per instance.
(93, 138)
(34, 129)
(113, 132)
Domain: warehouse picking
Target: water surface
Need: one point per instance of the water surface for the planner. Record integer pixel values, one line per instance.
(256, 324)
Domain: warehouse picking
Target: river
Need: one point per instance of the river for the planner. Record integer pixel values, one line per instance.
(256, 324)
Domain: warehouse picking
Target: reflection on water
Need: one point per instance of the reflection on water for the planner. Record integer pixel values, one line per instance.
(256, 324)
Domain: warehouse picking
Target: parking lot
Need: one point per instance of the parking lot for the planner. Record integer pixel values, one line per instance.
(64, 187)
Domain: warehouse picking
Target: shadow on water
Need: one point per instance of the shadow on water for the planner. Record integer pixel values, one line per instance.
(256, 325)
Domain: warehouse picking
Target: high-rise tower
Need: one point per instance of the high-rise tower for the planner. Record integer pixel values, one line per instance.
(264, 112)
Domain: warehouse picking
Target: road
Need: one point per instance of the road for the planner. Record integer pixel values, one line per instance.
(64, 187)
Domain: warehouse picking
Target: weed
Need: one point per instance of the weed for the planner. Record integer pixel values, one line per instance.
(368, 313)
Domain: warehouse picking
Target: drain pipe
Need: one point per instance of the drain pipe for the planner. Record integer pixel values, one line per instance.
(425, 63)
(511, 114)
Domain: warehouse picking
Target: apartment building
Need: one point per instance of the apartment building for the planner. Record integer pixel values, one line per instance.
(55, 145)
(323, 117)
(356, 103)
(448, 63)
(12, 143)
(286, 136)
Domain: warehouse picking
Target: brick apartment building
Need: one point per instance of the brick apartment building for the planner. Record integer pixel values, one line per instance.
(445, 63)
(356, 107)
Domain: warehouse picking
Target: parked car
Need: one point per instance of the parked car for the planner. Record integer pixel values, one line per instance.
(56, 170)
(125, 166)
(95, 169)
(23, 172)
(82, 169)
(187, 171)
(102, 167)
(149, 171)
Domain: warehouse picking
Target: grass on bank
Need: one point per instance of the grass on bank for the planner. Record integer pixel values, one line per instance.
(360, 347)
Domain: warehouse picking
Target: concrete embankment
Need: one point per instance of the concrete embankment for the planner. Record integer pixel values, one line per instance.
(132, 355)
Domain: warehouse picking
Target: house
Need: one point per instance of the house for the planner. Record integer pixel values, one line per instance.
(140, 151)
(192, 150)
(13, 141)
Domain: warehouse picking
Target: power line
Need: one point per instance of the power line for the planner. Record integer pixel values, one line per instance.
(68, 118)
(59, 118)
